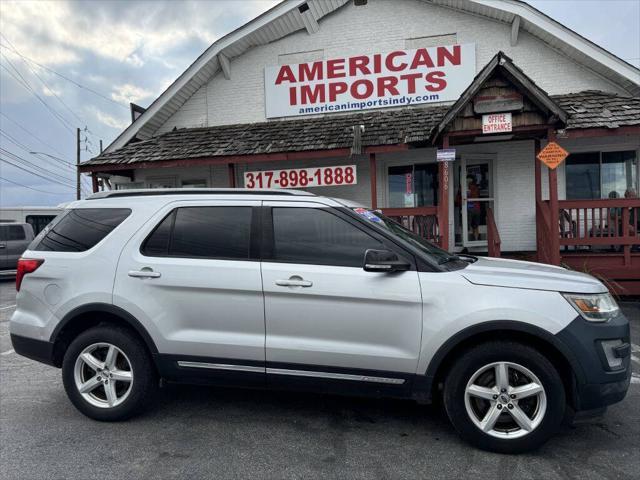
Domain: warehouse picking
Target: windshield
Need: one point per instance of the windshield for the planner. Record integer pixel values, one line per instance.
(437, 254)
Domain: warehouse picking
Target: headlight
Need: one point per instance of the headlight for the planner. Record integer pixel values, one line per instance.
(595, 308)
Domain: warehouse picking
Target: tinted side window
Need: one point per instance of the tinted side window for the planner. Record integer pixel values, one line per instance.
(11, 232)
(157, 244)
(16, 232)
(202, 232)
(315, 236)
(80, 229)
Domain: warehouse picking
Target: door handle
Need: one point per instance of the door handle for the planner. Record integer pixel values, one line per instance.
(2, 245)
(144, 274)
(294, 281)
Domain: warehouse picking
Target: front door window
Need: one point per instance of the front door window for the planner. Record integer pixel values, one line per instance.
(475, 196)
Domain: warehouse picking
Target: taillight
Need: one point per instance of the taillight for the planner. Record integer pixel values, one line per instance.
(26, 265)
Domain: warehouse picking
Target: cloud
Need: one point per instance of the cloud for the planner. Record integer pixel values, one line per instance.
(119, 123)
(57, 32)
(129, 93)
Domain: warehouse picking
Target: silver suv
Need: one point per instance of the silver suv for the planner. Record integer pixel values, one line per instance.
(284, 289)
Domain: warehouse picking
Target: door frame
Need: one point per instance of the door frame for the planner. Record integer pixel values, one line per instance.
(475, 159)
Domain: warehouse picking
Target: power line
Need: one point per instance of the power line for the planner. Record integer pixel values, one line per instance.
(31, 152)
(24, 129)
(79, 85)
(22, 161)
(36, 174)
(42, 80)
(32, 188)
(24, 83)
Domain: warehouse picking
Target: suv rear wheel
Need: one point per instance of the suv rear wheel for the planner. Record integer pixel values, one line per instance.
(504, 397)
(108, 374)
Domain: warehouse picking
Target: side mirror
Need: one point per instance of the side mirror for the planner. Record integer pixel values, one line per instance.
(384, 261)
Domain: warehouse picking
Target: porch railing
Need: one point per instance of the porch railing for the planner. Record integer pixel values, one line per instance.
(493, 236)
(607, 223)
(420, 220)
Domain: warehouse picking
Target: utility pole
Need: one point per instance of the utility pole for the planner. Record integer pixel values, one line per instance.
(78, 164)
(100, 145)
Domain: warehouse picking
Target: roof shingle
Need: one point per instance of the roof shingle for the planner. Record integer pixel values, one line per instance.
(586, 109)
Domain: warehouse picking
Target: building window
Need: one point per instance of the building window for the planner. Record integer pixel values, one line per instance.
(39, 222)
(595, 175)
(129, 186)
(194, 184)
(413, 185)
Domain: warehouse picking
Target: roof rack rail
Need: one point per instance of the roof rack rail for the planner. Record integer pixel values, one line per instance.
(194, 191)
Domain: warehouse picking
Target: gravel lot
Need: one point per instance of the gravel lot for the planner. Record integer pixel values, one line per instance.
(198, 432)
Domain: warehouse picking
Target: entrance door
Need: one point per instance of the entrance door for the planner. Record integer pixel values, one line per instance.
(476, 190)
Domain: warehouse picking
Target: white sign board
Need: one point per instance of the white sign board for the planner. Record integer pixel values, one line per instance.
(302, 177)
(446, 155)
(401, 77)
(496, 123)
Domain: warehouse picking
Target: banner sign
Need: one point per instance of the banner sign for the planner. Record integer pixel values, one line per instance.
(398, 78)
(446, 155)
(302, 177)
(496, 123)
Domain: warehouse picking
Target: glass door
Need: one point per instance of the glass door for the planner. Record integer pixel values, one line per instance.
(476, 190)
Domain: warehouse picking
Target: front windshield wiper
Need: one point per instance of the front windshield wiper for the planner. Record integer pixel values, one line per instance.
(472, 258)
(450, 258)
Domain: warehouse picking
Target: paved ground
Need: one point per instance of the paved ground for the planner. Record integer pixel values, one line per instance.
(197, 432)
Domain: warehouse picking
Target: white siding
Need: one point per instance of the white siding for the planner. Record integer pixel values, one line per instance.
(380, 26)
(191, 115)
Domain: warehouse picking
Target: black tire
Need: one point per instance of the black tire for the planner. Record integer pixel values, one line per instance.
(145, 380)
(504, 351)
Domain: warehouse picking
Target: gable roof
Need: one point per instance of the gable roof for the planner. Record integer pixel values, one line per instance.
(285, 18)
(503, 64)
(381, 127)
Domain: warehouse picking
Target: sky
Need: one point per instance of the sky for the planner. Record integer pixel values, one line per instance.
(68, 64)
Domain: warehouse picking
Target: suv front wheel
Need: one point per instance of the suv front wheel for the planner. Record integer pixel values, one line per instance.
(107, 373)
(504, 397)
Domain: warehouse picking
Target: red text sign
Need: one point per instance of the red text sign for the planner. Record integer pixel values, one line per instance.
(302, 177)
(398, 78)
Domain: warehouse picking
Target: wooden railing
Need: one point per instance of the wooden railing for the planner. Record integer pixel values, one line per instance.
(493, 236)
(608, 222)
(420, 220)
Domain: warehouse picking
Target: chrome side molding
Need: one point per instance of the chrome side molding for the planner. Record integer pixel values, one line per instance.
(293, 373)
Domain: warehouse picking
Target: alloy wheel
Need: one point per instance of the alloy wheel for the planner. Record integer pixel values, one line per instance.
(103, 375)
(505, 400)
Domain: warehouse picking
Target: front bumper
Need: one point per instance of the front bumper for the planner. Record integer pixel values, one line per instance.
(602, 374)
(39, 350)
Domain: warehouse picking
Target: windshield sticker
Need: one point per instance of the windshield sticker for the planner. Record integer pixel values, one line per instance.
(367, 214)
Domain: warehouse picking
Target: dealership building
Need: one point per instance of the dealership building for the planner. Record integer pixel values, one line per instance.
(483, 126)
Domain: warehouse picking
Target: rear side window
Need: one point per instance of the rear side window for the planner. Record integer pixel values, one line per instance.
(12, 232)
(79, 229)
(202, 232)
(315, 236)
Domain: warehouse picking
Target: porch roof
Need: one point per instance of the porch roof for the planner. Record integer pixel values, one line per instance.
(587, 109)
